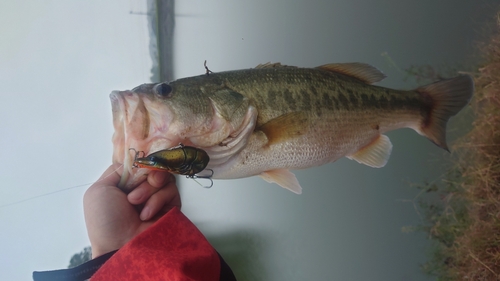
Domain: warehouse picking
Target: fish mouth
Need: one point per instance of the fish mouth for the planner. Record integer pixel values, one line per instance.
(139, 126)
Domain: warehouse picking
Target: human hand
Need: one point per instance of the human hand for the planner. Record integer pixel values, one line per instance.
(113, 218)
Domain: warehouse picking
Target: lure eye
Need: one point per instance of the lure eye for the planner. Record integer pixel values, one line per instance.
(163, 90)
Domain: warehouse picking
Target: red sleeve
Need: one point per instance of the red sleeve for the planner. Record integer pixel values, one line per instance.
(171, 249)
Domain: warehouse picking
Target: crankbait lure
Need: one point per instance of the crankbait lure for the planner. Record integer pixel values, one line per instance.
(181, 159)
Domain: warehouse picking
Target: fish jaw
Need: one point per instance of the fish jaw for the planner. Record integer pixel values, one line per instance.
(147, 122)
(140, 125)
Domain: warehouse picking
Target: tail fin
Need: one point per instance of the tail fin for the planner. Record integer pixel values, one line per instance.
(447, 97)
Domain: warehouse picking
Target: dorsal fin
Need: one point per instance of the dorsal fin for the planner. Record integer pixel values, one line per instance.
(273, 65)
(362, 71)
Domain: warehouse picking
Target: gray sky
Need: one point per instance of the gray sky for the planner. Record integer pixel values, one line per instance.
(59, 60)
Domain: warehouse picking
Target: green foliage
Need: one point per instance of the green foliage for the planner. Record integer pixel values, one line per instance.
(446, 217)
(81, 257)
(464, 222)
(426, 74)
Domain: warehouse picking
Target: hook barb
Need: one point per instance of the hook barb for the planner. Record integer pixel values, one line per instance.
(209, 177)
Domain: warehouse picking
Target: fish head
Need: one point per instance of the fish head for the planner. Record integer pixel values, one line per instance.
(153, 117)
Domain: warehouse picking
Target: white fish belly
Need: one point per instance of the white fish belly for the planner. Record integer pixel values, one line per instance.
(325, 141)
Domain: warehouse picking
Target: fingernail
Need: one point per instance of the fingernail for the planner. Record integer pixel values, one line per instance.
(145, 213)
(136, 195)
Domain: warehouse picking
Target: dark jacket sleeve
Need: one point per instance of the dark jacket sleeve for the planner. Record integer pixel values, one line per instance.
(171, 249)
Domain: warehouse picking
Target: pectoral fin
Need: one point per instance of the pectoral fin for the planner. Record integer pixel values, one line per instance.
(283, 178)
(376, 154)
(285, 127)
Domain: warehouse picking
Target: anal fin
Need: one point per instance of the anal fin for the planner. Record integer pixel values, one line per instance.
(283, 178)
(376, 154)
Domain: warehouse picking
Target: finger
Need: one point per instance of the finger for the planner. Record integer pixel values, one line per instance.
(99, 200)
(159, 179)
(107, 180)
(160, 202)
(155, 181)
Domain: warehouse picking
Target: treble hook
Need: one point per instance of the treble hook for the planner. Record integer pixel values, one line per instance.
(204, 177)
(136, 156)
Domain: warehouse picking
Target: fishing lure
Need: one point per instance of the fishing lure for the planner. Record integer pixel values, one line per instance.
(181, 159)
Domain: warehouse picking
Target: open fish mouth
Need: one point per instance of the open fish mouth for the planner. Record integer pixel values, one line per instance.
(128, 113)
(135, 128)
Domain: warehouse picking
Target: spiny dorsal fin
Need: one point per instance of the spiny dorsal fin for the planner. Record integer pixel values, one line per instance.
(376, 154)
(283, 178)
(362, 71)
(273, 65)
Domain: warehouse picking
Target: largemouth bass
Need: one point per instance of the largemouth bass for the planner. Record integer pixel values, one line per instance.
(272, 118)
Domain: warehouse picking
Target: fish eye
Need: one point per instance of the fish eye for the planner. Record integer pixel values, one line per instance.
(163, 90)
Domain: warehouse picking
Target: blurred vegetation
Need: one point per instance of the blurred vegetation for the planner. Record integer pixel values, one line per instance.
(426, 74)
(462, 219)
(81, 257)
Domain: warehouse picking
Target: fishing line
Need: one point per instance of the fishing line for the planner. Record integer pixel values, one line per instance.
(60, 190)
